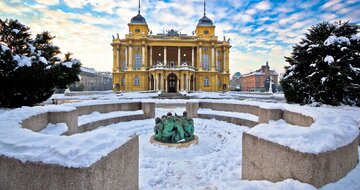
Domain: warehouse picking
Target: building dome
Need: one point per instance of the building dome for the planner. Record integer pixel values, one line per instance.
(205, 21)
(138, 19)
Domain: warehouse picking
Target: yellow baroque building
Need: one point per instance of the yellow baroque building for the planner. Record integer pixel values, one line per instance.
(170, 61)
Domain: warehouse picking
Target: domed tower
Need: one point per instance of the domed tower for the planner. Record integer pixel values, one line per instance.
(138, 26)
(205, 26)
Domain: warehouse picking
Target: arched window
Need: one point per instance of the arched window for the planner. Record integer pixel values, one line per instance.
(206, 65)
(123, 81)
(136, 81)
(137, 61)
(206, 81)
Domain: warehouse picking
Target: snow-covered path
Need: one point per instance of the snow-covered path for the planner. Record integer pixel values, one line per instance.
(214, 163)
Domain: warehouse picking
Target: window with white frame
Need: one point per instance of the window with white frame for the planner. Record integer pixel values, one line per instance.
(136, 81)
(137, 61)
(206, 81)
(206, 65)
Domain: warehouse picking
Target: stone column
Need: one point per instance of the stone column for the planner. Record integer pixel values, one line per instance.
(177, 85)
(166, 85)
(161, 82)
(192, 56)
(126, 58)
(143, 57)
(213, 59)
(165, 55)
(151, 56)
(118, 58)
(130, 58)
(224, 64)
(200, 59)
(179, 56)
(187, 82)
(149, 78)
(156, 82)
(182, 82)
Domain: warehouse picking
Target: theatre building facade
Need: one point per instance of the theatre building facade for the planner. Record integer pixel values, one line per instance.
(170, 61)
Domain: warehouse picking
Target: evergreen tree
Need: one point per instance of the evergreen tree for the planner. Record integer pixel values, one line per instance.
(30, 70)
(325, 66)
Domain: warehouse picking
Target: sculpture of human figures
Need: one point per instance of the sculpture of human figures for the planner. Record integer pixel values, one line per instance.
(158, 129)
(174, 129)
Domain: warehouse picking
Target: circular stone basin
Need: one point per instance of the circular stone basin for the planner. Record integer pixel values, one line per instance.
(176, 145)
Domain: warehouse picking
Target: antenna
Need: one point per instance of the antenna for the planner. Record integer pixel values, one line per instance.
(139, 7)
(204, 8)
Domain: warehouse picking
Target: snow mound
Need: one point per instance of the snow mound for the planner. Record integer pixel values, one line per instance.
(329, 59)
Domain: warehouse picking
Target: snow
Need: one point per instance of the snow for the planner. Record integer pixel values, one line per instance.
(355, 69)
(329, 59)
(69, 64)
(4, 46)
(55, 129)
(32, 48)
(16, 31)
(327, 133)
(96, 116)
(334, 39)
(22, 60)
(323, 79)
(214, 163)
(42, 59)
(355, 37)
(229, 114)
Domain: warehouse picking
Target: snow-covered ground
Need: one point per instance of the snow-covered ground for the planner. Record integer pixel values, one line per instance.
(149, 95)
(214, 163)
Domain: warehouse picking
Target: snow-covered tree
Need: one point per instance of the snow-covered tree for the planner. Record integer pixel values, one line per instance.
(325, 66)
(30, 70)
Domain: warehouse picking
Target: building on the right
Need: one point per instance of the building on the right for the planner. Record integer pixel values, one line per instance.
(259, 80)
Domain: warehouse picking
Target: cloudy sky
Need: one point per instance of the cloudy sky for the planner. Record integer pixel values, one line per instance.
(259, 30)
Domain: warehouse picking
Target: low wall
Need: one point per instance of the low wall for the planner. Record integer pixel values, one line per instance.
(234, 120)
(265, 114)
(118, 170)
(106, 108)
(230, 107)
(104, 122)
(38, 122)
(265, 160)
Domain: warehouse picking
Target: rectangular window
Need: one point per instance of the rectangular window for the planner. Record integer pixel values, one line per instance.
(137, 61)
(137, 30)
(206, 65)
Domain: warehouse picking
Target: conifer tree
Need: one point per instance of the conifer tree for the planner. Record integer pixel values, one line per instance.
(325, 66)
(30, 70)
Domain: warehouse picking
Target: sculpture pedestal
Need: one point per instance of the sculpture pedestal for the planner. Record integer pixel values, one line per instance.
(176, 145)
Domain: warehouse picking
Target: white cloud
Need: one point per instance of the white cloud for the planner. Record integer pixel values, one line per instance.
(75, 4)
(330, 3)
(264, 5)
(48, 2)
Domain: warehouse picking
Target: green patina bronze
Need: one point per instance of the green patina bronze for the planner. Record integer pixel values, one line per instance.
(174, 129)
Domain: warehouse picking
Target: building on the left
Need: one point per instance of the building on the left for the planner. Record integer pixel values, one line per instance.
(92, 80)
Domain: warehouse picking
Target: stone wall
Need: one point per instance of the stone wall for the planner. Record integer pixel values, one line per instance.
(38, 122)
(265, 160)
(118, 170)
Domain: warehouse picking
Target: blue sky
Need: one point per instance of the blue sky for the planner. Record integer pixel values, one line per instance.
(259, 30)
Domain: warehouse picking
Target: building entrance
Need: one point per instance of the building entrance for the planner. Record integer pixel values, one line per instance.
(172, 82)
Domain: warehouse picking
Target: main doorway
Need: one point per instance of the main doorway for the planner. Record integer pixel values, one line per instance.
(172, 82)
